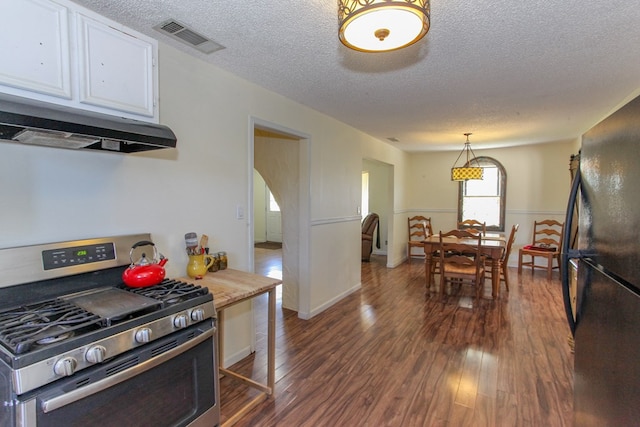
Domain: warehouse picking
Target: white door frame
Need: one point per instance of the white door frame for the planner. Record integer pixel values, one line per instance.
(304, 209)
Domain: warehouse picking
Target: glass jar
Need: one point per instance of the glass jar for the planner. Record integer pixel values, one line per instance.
(222, 256)
(216, 264)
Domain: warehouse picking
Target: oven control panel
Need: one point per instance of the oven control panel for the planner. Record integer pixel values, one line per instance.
(67, 257)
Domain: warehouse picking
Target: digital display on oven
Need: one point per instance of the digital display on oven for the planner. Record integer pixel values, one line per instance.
(68, 257)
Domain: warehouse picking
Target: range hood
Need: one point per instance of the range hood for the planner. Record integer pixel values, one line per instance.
(39, 123)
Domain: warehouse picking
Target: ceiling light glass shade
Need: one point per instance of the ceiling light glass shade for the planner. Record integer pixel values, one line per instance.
(465, 174)
(467, 171)
(382, 25)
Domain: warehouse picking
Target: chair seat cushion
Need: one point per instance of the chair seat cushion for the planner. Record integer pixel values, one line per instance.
(469, 270)
(540, 248)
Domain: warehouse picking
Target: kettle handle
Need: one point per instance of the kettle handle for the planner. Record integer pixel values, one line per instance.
(143, 243)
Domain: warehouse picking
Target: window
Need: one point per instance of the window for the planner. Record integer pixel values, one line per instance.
(484, 200)
(273, 205)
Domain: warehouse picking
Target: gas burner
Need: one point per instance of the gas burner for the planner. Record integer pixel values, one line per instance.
(172, 299)
(42, 324)
(36, 314)
(54, 335)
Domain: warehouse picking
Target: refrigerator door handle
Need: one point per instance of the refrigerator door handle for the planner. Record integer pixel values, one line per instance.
(568, 253)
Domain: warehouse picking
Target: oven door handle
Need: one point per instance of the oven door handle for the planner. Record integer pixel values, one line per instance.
(49, 405)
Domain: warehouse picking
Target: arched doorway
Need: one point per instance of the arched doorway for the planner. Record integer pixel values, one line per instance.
(280, 155)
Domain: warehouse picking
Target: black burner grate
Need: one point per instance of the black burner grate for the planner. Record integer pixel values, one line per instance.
(24, 328)
(171, 291)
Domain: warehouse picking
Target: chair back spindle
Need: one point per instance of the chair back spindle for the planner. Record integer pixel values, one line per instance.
(473, 226)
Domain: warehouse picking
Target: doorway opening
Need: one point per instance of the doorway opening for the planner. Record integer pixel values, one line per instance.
(267, 230)
(377, 197)
(267, 216)
(280, 159)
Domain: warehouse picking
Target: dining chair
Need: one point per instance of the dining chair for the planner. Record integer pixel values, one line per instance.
(460, 234)
(473, 226)
(461, 263)
(419, 229)
(547, 240)
(504, 259)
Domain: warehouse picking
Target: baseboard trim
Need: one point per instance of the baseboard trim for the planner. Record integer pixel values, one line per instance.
(332, 301)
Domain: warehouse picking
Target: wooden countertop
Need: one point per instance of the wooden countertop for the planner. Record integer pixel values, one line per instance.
(230, 286)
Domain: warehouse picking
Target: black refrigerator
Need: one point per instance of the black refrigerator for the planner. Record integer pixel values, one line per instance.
(606, 192)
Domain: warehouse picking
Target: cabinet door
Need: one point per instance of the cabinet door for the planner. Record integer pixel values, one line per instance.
(116, 68)
(35, 47)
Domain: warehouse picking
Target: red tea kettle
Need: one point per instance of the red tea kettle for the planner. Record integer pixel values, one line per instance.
(145, 272)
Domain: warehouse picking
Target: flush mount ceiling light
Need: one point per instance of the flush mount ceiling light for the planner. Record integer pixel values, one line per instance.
(382, 25)
(467, 172)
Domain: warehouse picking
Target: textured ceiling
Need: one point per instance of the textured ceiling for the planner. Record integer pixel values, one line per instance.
(512, 72)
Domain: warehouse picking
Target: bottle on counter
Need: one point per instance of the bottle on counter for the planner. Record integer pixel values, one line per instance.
(222, 257)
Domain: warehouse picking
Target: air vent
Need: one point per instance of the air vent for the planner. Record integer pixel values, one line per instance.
(164, 348)
(123, 365)
(83, 382)
(182, 33)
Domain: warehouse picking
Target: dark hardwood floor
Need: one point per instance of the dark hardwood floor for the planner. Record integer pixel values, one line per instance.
(393, 354)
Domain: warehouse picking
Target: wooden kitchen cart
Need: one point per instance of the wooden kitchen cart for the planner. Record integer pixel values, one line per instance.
(230, 287)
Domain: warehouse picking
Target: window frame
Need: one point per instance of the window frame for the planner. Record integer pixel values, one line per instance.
(489, 161)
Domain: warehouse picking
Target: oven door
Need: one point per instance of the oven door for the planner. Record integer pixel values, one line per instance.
(169, 382)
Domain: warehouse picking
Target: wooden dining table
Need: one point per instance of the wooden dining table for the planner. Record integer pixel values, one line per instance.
(492, 246)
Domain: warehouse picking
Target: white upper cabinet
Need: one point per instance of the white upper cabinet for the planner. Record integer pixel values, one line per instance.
(59, 52)
(116, 68)
(35, 47)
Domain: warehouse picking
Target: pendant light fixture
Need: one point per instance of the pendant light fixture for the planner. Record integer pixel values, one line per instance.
(467, 171)
(382, 25)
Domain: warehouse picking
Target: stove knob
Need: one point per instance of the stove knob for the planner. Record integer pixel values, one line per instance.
(197, 315)
(65, 366)
(180, 321)
(96, 354)
(143, 335)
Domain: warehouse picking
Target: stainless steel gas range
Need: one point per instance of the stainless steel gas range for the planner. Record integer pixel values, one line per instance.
(79, 348)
